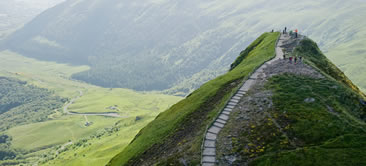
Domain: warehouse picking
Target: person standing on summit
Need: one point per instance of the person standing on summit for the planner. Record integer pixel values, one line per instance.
(296, 33)
(285, 29)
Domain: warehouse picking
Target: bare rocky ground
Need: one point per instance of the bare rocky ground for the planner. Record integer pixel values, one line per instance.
(251, 120)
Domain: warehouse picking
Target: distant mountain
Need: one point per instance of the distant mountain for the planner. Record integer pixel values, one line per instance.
(15, 13)
(178, 45)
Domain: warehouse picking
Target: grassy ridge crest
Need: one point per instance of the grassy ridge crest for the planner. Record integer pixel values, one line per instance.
(328, 131)
(310, 50)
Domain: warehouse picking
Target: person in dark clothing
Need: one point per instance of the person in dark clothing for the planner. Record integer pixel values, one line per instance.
(295, 59)
(300, 58)
(296, 33)
(284, 56)
(272, 30)
(285, 29)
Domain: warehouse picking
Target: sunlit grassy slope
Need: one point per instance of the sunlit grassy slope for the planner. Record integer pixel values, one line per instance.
(137, 109)
(127, 102)
(182, 126)
(54, 132)
(48, 75)
(100, 151)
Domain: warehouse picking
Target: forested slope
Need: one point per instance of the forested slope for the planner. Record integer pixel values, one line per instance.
(21, 103)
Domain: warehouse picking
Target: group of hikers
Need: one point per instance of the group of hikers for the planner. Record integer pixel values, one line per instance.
(294, 59)
(290, 33)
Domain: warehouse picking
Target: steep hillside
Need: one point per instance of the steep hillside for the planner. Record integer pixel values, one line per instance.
(177, 133)
(303, 113)
(179, 45)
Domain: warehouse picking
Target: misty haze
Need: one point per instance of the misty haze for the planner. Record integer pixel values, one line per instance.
(167, 82)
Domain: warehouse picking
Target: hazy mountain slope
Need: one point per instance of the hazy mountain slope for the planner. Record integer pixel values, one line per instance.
(327, 130)
(15, 13)
(179, 130)
(178, 44)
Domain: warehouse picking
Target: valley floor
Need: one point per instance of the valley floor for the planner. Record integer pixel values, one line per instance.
(93, 122)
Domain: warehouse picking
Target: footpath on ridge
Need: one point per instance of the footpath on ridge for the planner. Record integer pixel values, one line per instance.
(209, 145)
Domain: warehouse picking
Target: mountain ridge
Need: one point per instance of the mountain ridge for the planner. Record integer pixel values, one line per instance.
(198, 108)
(183, 148)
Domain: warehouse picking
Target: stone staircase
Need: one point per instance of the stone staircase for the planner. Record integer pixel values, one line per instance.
(209, 144)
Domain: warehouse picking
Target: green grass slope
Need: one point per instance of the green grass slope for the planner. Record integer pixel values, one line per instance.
(39, 136)
(177, 133)
(328, 131)
(309, 50)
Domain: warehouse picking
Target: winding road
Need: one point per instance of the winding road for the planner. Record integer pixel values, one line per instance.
(107, 114)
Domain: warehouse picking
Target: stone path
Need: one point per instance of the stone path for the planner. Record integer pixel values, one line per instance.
(209, 145)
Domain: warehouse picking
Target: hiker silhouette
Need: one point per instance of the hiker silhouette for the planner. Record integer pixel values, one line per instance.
(296, 31)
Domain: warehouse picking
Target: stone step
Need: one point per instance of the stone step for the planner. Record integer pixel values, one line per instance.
(219, 124)
(228, 109)
(230, 106)
(209, 152)
(236, 98)
(209, 159)
(226, 112)
(211, 136)
(224, 117)
(214, 129)
(210, 144)
(241, 93)
(221, 121)
(208, 164)
(232, 103)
